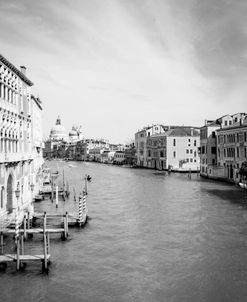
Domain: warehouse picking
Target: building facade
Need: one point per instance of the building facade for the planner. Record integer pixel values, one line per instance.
(20, 139)
(141, 143)
(232, 146)
(176, 149)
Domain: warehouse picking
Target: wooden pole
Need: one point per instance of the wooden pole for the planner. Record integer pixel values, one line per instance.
(64, 227)
(86, 183)
(2, 242)
(48, 243)
(52, 196)
(28, 220)
(45, 243)
(67, 224)
(25, 226)
(22, 244)
(56, 196)
(80, 211)
(18, 253)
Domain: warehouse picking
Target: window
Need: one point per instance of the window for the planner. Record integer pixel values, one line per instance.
(213, 150)
(174, 154)
(194, 153)
(191, 151)
(187, 150)
(194, 142)
(161, 154)
(191, 160)
(213, 134)
(237, 151)
(225, 123)
(174, 142)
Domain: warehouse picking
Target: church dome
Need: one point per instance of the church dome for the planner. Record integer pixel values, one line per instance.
(73, 132)
(58, 132)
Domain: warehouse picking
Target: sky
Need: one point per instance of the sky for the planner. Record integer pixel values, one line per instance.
(115, 66)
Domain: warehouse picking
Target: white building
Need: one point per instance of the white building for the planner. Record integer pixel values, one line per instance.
(20, 139)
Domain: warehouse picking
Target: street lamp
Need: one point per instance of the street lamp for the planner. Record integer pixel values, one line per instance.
(17, 191)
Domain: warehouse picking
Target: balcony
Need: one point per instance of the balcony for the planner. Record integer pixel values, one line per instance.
(15, 157)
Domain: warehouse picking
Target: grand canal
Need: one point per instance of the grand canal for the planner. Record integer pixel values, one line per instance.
(150, 237)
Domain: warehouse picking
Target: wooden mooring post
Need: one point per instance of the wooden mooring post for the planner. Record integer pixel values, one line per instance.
(45, 262)
(56, 196)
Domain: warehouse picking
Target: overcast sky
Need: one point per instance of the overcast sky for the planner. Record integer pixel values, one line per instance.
(114, 66)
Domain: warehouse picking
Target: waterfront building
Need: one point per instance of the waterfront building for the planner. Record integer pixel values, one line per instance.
(20, 139)
(208, 149)
(141, 142)
(81, 150)
(232, 146)
(175, 149)
(223, 147)
(130, 154)
(119, 157)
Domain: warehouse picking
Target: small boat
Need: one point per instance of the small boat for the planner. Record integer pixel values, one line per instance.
(243, 185)
(38, 198)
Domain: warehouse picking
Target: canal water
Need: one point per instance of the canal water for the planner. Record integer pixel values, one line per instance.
(150, 237)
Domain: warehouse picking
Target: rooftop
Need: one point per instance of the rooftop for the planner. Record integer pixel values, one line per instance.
(15, 70)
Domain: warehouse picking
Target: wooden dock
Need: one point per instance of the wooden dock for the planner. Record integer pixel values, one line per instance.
(23, 258)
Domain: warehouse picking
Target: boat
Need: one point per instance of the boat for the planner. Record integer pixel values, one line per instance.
(38, 198)
(243, 185)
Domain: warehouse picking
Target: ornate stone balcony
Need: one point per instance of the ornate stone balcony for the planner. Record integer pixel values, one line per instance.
(15, 157)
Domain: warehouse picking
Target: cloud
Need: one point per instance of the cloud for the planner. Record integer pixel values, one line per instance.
(141, 61)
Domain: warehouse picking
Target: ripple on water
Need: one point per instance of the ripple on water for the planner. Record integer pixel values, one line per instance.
(150, 238)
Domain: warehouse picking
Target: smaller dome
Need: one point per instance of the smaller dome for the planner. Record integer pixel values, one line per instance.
(73, 133)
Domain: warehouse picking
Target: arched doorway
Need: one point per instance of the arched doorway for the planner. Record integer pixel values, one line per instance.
(9, 204)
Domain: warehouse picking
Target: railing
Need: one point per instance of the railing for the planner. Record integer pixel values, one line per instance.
(14, 157)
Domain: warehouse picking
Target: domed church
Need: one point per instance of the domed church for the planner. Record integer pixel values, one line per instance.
(58, 132)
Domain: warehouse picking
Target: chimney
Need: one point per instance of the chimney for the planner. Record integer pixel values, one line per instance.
(23, 69)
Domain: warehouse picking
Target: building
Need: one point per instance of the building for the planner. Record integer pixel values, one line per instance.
(232, 146)
(20, 139)
(81, 151)
(58, 132)
(208, 148)
(119, 158)
(141, 143)
(130, 154)
(175, 149)
(223, 147)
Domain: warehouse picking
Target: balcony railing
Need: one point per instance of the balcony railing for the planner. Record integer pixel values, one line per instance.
(15, 157)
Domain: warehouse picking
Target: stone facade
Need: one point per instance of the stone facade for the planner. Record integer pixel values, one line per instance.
(224, 147)
(20, 139)
(176, 149)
